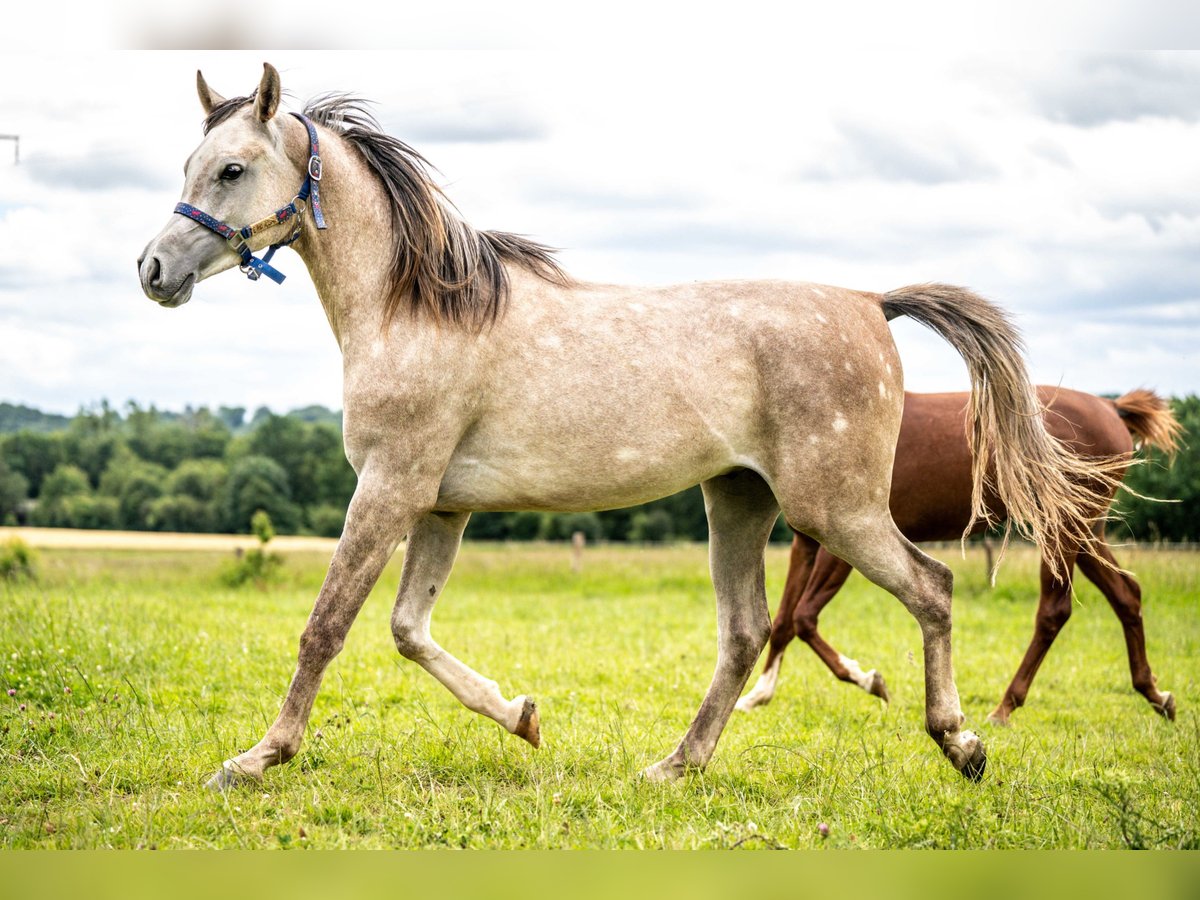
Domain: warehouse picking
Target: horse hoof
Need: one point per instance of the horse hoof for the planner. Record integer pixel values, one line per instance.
(230, 775)
(878, 688)
(528, 727)
(1166, 709)
(747, 703)
(965, 752)
(998, 717)
(669, 769)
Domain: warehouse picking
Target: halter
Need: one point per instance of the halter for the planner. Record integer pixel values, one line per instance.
(252, 266)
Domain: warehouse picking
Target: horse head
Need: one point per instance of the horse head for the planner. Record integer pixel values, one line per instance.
(241, 169)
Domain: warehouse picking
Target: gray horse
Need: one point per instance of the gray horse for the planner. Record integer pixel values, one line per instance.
(478, 376)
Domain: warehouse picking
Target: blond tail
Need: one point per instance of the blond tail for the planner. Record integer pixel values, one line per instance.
(1051, 495)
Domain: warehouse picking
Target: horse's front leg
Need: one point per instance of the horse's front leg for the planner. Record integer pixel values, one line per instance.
(432, 547)
(375, 523)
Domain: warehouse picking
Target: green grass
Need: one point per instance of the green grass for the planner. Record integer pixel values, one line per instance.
(141, 672)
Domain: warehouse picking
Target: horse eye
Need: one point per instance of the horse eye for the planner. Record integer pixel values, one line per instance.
(231, 172)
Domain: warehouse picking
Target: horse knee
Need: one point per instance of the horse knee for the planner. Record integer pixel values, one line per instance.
(320, 644)
(745, 641)
(805, 625)
(1052, 617)
(412, 639)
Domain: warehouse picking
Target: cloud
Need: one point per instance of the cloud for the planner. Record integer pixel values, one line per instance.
(1122, 88)
(469, 121)
(867, 151)
(102, 170)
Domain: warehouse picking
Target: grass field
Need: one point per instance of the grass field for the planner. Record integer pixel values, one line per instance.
(137, 673)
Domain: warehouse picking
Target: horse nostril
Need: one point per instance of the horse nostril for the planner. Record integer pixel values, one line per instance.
(154, 272)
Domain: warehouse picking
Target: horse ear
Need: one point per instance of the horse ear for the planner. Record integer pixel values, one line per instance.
(209, 99)
(266, 101)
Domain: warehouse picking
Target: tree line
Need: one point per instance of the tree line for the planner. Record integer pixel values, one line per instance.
(207, 470)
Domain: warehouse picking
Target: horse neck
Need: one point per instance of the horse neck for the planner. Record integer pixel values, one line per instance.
(350, 260)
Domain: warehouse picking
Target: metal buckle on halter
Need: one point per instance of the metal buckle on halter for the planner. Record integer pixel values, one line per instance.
(251, 273)
(314, 167)
(238, 244)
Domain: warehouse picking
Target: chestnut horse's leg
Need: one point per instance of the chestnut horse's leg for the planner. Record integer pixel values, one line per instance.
(828, 575)
(432, 548)
(1054, 608)
(876, 548)
(1124, 594)
(741, 513)
(375, 523)
(804, 551)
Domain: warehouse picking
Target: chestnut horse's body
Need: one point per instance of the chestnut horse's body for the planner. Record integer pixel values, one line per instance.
(931, 501)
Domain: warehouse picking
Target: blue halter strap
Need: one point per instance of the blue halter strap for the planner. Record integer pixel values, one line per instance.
(309, 196)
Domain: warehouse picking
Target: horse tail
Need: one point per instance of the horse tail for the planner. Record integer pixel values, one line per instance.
(1149, 420)
(1052, 496)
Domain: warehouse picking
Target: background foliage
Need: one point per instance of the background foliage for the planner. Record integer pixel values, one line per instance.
(209, 471)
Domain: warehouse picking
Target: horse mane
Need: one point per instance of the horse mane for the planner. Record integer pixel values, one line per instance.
(440, 264)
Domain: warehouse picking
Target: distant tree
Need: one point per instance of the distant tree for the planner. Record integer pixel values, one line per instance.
(652, 525)
(234, 417)
(15, 417)
(65, 481)
(180, 512)
(92, 439)
(317, 414)
(254, 483)
(562, 526)
(134, 483)
(33, 455)
(1175, 480)
(326, 520)
(14, 491)
(201, 479)
(67, 501)
(260, 415)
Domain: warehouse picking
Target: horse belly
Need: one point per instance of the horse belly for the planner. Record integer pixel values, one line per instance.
(575, 476)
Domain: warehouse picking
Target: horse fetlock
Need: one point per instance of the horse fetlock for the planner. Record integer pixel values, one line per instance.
(966, 753)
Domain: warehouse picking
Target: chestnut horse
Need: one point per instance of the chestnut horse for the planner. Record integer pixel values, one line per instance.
(931, 500)
(478, 376)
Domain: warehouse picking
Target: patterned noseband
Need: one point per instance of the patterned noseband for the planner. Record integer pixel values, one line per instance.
(308, 196)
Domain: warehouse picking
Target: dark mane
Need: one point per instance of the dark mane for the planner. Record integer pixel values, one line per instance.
(440, 264)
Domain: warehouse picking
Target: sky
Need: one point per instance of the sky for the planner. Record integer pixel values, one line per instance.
(1061, 184)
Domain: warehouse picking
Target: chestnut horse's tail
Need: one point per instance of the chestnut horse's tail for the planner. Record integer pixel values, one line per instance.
(1052, 495)
(1149, 420)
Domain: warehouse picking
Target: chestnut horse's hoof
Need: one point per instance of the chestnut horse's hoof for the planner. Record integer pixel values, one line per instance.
(965, 752)
(528, 727)
(1166, 709)
(878, 688)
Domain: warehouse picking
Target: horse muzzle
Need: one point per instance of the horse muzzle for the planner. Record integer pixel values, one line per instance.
(164, 287)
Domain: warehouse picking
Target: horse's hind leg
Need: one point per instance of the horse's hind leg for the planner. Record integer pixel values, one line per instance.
(1124, 594)
(828, 575)
(432, 548)
(1054, 609)
(875, 547)
(783, 629)
(741, 512)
